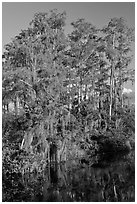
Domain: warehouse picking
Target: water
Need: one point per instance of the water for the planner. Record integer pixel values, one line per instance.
(104, 178)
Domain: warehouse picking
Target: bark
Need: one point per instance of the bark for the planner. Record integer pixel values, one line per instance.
(112, 81)
(7, 105)
(93, 95)
(111, 93)
(4, 108)
(115, 102)
(34, 76)
(51, 128)
(100, 102)
(53, 152)
(16, 105)
(62, 151)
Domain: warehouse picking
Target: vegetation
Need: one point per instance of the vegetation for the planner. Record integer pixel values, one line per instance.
(63, 94)
(75, 182)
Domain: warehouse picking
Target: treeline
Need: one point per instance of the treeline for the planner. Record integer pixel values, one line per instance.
(60, 86)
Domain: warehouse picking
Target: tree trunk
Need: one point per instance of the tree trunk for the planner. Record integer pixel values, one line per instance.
(16, 106)
(115, 102)
(112, 81)
(62, 151)
(111, 93)
(53, 152)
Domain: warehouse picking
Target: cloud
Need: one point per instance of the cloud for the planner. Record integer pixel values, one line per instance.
(126, 91)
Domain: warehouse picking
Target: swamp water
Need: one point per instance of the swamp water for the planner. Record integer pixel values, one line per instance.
(104, 178)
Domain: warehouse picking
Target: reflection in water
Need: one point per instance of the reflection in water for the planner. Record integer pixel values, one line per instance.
(103, 179)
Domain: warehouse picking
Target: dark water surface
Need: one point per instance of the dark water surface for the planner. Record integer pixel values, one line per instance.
(104, 178)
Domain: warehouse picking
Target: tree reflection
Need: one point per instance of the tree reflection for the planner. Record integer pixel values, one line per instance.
(74, 181)
(77, 183)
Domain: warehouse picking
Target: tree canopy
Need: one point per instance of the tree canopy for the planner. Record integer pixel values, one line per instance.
(73, 82)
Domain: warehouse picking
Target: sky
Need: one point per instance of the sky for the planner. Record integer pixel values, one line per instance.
(17, 15)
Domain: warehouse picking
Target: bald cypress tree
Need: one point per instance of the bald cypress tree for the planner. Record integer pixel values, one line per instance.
(118, 38)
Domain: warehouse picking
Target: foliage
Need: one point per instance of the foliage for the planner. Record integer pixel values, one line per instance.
(64, 90)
